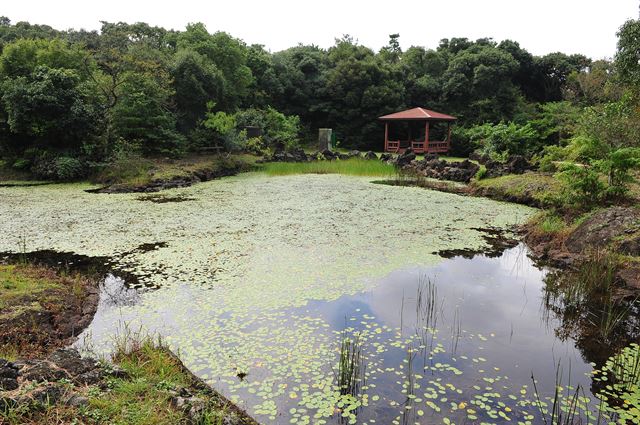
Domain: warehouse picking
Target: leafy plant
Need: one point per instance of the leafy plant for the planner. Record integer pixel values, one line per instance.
(583, 187)
(617, 166)
(621, 374)
(504, 139)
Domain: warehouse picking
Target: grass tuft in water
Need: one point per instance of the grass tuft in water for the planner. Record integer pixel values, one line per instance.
(588, 297)
(351, 366)
(569, 405)
(351, 167)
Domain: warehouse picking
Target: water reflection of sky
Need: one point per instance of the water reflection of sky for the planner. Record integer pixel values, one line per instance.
(496, 301)
(489, 319)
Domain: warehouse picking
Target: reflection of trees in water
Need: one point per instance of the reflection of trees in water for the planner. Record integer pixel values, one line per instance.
(600, 319)
(115, 293)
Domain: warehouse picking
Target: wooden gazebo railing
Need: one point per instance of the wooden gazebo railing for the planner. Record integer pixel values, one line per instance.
(417, 145)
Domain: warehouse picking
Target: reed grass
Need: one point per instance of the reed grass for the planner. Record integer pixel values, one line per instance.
(350, 375)
(569, 405)
(351, 167)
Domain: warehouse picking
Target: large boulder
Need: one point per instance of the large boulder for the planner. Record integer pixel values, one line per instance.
(386, 157)
(615, 225)
(329, 155)
(480, 158)
(370, 155)
(518, 164)
(71, 361)
(405, 158)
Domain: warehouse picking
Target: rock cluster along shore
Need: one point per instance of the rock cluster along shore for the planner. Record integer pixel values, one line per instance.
(515, 164)
(615, 228)
(460, 171)
(39, 383)
(299, 155)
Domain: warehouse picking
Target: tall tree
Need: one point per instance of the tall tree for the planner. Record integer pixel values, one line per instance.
(628, 55)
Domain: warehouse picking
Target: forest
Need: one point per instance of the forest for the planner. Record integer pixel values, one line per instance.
(73, 102)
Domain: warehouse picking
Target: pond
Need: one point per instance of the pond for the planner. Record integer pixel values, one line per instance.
(257, 282)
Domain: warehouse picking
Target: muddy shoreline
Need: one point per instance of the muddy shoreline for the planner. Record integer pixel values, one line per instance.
(46, 374)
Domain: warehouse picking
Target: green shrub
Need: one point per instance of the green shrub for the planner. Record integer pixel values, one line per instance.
(279, 130)
(67, 168)
(617, 166)
(130, 168)
(21, 164)
(256, 145)
(583, 187)
(547, 159)
(504, 139)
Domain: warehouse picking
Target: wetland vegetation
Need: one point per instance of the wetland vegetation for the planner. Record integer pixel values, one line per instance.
(301, 291)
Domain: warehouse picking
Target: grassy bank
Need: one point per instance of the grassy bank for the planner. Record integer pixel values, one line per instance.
(351, 167)
(534, 189)
(40, 309)
(151, 386)
(137, 171)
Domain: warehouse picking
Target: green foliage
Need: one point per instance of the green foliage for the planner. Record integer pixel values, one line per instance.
(621, 374)
(617, 166)
(223, 53)
(583, 187)
(627, 59)
(197, 81)
(151, 87)
(279, 130)
(142, 115)
(50, 167)
(49, 108)
(504, 139)
(606, 144)
(612, 125)
(223, 128)
(21, 57)
(478, 83)
(556, 122)
(68, 168)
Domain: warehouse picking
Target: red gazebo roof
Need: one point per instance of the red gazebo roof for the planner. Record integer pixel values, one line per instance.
(417, 114)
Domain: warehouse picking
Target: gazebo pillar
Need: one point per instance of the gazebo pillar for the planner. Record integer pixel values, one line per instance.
(386, 136)
(448, 136)
(426, 137)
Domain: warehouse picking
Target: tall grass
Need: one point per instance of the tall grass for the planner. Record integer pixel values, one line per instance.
(588, 301)
(591, 282)
(569, 405)
(351, 167)
(351, 366)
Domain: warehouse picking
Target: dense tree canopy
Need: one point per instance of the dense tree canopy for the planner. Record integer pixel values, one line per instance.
(89, 91)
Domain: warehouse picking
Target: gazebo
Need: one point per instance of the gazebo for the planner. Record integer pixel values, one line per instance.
(418, 121)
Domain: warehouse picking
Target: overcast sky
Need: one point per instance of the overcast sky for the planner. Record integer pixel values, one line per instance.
(541, 26)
